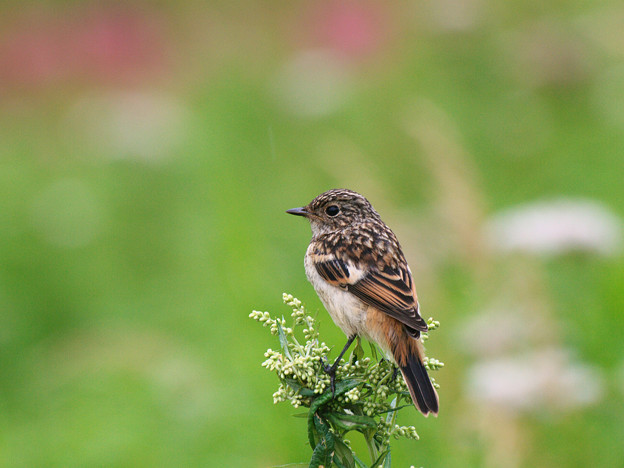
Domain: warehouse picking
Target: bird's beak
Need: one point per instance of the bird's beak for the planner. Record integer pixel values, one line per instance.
(298, 211)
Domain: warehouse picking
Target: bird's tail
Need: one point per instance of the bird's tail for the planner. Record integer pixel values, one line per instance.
(421, 389)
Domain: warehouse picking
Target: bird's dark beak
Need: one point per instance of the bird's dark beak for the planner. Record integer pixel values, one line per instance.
(298, 211)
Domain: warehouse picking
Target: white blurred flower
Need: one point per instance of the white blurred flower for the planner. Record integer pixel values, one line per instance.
(556, 226)
(547, 378)
(500, 330)
(144, 126)
(313, 84)
(456, 15)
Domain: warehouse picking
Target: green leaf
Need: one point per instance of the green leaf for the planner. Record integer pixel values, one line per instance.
(359, 463)
(392, 410)
(318, 456)
(338, 462)
(381, 458)
(323, 451)
(350, 422)
(341, 387)
(343, 454)
(388, 460)
(283, 340)
(297, 387)
(358, 351)
(317, 424)
(327, 438)
(311, 439)
(373, 349)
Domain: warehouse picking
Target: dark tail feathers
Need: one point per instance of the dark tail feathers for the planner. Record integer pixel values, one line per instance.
(423, 394)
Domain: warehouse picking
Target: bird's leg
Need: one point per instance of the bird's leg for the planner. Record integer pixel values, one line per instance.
(395, 372)
(331, 370)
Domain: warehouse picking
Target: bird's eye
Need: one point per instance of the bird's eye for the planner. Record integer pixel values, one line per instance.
(332, 210)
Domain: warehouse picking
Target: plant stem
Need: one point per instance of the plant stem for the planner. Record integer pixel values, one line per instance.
(372, 446)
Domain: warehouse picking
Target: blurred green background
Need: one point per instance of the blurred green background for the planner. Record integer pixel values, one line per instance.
(148, 152)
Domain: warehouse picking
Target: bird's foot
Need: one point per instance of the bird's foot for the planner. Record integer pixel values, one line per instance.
(327, 368)
(395, 372)
(331, 371)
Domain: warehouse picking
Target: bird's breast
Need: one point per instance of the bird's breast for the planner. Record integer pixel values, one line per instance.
(346, 310)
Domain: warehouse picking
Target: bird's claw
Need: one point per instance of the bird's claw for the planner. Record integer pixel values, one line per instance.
(395, 372)
(331, 371)
(327, 368)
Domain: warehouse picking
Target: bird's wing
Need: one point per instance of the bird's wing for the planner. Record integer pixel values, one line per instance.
(391, 290)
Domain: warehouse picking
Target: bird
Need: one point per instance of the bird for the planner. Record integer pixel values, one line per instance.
(357, 267)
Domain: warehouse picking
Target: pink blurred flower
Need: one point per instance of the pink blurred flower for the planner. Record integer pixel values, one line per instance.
(100, 44)
(353, 28)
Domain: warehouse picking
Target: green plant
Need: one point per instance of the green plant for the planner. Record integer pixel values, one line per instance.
(368, 392)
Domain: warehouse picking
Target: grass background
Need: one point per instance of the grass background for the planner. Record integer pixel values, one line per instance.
(147, 155)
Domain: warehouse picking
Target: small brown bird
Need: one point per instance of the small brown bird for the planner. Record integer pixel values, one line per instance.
(357, 267)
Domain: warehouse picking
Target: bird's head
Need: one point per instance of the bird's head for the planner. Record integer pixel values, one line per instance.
(336, 209)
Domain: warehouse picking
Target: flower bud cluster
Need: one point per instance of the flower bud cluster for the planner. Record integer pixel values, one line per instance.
(384, 431)
(371, 408)
(300, 367)
(352, 395)
(431, 325)
(433, 364)
(286, 393)
(265, 319)
(298, 311)
(409, 432)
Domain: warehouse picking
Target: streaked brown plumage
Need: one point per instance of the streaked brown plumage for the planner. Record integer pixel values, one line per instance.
(357, 267)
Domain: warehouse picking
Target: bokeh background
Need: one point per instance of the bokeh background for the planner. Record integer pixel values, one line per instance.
(148, 151)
